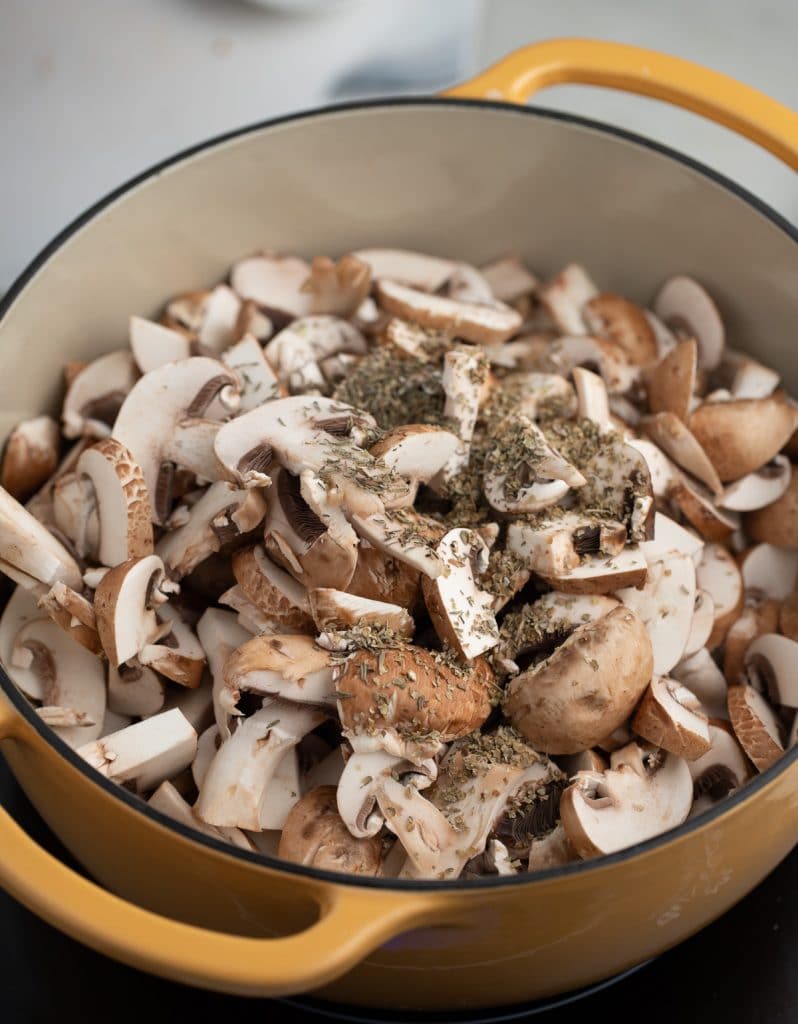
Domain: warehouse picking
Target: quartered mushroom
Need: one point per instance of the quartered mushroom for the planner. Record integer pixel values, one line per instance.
(125, 603)
(686, 307)
(272, 590)
(564, 298)
(721, 770)
(336, 610)
(30, 456)
(292, 667)
(586, 688)
(601, 574)
(29, 553)
(671, 717)
(275, 283)
(663, 472)
(314, 834)
(703, 678)
(671, 383)
(756, 726)
(557, 545)
(381, 577)
(397, 535)
(771, 664)
(96, 394)
(417, 453)
(621, 321)
(175, 651)
(338, 286)
(777, 523)
(679, 443)
(427, 273)
(644, 793)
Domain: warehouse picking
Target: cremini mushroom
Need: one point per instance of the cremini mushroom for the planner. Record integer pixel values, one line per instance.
(671, 717)
(427, 273)
(697, 505)
(74, 614)
(788, 616)
(602, 573)
(670, 536)
(154, 344)
(96, 394)
(306, 341)
(314, 834)
(671, 383)
(586, 688)
(759, 489)
(682, 446)
(29, 553)
(381, 577)
(338, 286)
(777, 523)
(758, 616)
(703, 678)
(336, 610)
(175, 651)
(568, 352)
(717, 574)
(771, 664)
(30, 456)
(220, 635)
(272, 590)
(125, 602)
(564, 298)
(556, 546)
(399, 535)
(722, 769)
(292, 667)
(509, 279)
(756, 726)
(621, 321)
(686, 307)
(257, 380)
(275, 283)
(702, 622)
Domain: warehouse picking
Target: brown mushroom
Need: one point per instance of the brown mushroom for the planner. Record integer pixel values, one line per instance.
(759, 615)
(272, 590)
(788, 617)
(671, 383)
(756, 726)
(314, 834)
(671, 717)
(30, 456)
(613, 317)
(776, 523)
(337, 287)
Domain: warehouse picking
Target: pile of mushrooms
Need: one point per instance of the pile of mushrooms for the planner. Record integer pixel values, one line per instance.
(397, 566)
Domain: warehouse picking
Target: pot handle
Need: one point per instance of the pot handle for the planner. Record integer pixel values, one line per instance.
(633, 69)
(352, 922)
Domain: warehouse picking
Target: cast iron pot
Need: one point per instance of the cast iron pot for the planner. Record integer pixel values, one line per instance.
(465, 179)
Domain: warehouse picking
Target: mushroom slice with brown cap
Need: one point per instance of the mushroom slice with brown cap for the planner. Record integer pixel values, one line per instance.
(465, 385)
(593, 401)
(123, 505)
(96, 395)
(158, 422)
(671, 383)
(74, 614)
(663, 472)
(416, 451)
(338, 286)
(220, 316)
(315, 835)
(788, 616)
(381, 577)
(723, 768)
(71, 679)
(777, 523)
(509, 279)
(771, 570)
(580, 350)
(397, 535)
(274, 282)
(461, 612)
(135, 690)
(335, 610)
(586, 688)
(718, 574)
(702, 677)
(145, 754)
(124, 604)
(272, 590)
(168, 801)
(670, 536)
(756, 726)
(154, 345)
(643, 794)
(223, 514)
(292, 667)
(759, 489)
(236, 790)
(257, 380)
(361, 778)
(41, 504)
(309, 339)
(428, 273)
(601, 574)
(665, 604)
(616, 318)
(29, 553)
(479, 323)
(771, 664)
(687, 308)
(21, 609)
(467, 284)
(696, 504)
(74, 514)
(523, 472)
(178, 654)
(671, 717)
(220, 635)
(30, 456)
(678, 443)
(759, 615)
(565, 295)
(702, 623)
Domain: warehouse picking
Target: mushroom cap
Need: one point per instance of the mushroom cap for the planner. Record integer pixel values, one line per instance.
(671, 383)
(686, 307)
(377, 692)
(616, 318)
(671, 717)
(772, 661)
(314, 834)
(777, 523)
(586, 688)
(756, 726)
(742, 435)
(30, 456)
(272, 590)
(603, 812)
(381, 577)
(335, 609)
(679, 443)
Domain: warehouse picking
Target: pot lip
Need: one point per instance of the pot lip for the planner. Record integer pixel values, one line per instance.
(736, 800)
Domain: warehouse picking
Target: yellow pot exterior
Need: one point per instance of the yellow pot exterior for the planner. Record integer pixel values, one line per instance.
(467, 181)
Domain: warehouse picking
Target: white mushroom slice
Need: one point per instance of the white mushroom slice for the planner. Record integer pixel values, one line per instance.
(717, 573)
(145, 754)
(220, 316)
(292, 667)
(722, 769)
(285, 789)
(417, 451)
(602, 574)
(702, 623)
(238, 786)
(124, 605)
(771, 664)
(464, 382)
(759, 615)
(429, 273)
(168, 801)
(74, 513)
(554, 547)
(29, 553)
(123, 506)
(338, 287)
(271, 590)
(687, 308)
(178, 654)
(665, 604)
(222, 514)
(74, 614)
(664, 473)
(616, 372)
(565, 295)
(335, 609)
(159, 424)
(96, 394)
(195, 704)
(670, 536)
(257, 380)
(461, 612)
(753, 380)
(758, 489)
(771, 570)
(389, 534)
(30, 456)
(359, 783)
(592, 398)
(475, 322)
(679, 444)
(207, 745)
(466, 284)
(537, 393)
(40, 505)
(671, 717)
(665, 338)
(135, 690)
(220, 635)
(702, 677)
(309, 339)
(274, 282)
(509, 280)
(756, 726)
(641, 796)
(696, 504)
(154, 345)
(21, 609)
(70, 679)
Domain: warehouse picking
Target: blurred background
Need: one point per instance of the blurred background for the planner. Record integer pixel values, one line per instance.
(94, 91)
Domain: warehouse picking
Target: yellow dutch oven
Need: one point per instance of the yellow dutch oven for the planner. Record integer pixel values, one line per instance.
(467, 175)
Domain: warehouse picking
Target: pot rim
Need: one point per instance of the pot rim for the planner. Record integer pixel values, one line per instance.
(748, 792)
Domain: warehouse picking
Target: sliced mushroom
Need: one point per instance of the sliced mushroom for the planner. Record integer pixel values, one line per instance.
(723, 769)
(360, 781)
(168, 801)
(759, 615)
(74, 614)
(338, 287)
(697, 506)
(671, 717)
(220, 635)
(428, 273)
(96, 395)
(335, 610)
(664, 473)
(381, 577)
(670, 536)
(30, 456)
(74, 514)
(788, 617)
(672, 382)
(555, 546)
(275, 283)
(294, 668)
(314, 834)
(417, 452)
(621, 321)
(593, 402)
(509, 279)
(551, 851)
(257, 380)
(680, 444)
(777, 523)
(608, 358)
(687, 308)
(396, 535)
(135, 690)
(759, 489)
(666, 339)
(178, 654)
(602, 574)
(718, 575)
(751, 379)
(771, 664)
(586, 688)
(307, 340)
(125, 602)
(273, 591)
(771, 570)
(467, 284)
(643, 794)
(145, 754)
(702, 677)
(565, 295)
(154, 345)
(756, 726)
(29, 553)
(547, 621)
(702, 623)
(20, 610)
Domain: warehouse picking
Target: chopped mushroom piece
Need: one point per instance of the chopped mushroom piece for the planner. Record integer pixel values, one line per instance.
(168, 801)
(294, 668)
(338, 287)
(759, 615)
(722, 770)
(96, 394)
(602, 574)
(671, 383)
(702, 677)
(759, 489)
(756, 726)
(771, 570)
(135, 690)
(154, 345)
(29, 553)
(621, 321)
(565, 295)
(177, 654)
(273, 591)
(125, 602)
(314, 834)
(429, 273)
(335, 610)
(777, 523)
(509, 280)
(74, 614)
(788, 616)
(257, 380)
(718, 575)
(679, 444)
(671, 717)
(771, 664)
(307, 340)
(30, 456)
(687, 309)
(697, 506)
(275, 282)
